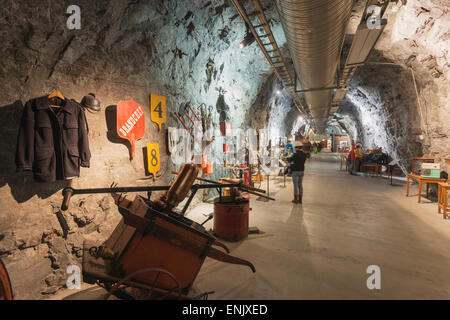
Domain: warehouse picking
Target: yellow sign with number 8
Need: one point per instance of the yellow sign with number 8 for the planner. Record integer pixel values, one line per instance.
(153, 163)
(158, 109)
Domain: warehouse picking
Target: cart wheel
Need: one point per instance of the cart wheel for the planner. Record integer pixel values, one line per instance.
(126, 282)
(5, 284)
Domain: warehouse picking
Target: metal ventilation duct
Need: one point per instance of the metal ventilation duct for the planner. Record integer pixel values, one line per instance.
(315, 33)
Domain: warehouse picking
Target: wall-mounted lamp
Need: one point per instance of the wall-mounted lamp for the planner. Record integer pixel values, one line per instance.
(278, 92)
(249, 38)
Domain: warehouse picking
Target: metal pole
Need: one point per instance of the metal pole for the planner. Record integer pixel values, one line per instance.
(422, 122)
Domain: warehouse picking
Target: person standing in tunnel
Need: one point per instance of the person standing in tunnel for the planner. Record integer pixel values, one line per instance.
(307, 148)
(315, 147)
(297, 161)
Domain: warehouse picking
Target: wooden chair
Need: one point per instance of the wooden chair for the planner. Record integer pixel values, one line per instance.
(344, 161)
(443, 198)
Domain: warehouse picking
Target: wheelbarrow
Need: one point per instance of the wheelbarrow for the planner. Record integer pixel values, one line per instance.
(6, 292)
(155, 252)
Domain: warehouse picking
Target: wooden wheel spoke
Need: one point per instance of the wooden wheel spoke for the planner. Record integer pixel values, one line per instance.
(127, 282)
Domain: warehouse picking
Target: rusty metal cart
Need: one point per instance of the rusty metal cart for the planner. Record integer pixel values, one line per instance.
(154, 252)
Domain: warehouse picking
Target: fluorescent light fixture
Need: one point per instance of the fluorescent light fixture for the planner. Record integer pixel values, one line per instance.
(339, 95)
(363, 42)
(248, 40)
(334, 109)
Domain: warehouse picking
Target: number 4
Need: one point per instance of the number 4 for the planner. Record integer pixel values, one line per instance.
(158, 109)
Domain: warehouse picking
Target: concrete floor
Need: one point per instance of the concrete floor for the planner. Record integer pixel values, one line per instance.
(321, 249)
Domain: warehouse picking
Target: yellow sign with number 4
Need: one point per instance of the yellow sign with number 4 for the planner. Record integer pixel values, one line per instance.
(158, 109)
(153, 164)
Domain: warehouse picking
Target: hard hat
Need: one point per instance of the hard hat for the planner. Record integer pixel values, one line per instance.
(298, 144)
(90, 102)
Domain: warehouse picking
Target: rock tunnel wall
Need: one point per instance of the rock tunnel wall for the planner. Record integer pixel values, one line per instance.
(382, 100)
(419, 38)
(385, 108)
(272, 110)
(185, 51)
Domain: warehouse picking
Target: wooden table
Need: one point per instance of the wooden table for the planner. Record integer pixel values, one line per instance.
(375, 168)
(443, 205)
(420, 180)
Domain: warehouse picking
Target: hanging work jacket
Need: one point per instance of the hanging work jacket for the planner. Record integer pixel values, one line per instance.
(351, 154)
(297, 161)
(53, 143)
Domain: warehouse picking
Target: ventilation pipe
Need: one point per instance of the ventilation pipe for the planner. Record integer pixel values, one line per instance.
(315, 32)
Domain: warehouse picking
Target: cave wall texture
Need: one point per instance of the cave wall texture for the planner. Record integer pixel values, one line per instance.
(187, 51)
(184, 50)
(382, 99)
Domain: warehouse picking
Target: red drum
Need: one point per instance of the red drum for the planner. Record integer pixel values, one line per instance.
(231, 218)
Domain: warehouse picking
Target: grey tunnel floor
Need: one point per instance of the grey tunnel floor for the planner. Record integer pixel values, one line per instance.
(321, 249)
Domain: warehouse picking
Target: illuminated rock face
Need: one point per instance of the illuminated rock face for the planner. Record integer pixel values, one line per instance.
(382, 99)
(383, 104)
(186, 50)
(419, 38)
(272, 110)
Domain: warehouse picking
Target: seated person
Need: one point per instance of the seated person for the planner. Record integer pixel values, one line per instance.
(354, 157)
(358, 156)
(358, 151)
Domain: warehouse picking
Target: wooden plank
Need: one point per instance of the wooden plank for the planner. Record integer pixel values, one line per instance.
(123, 233)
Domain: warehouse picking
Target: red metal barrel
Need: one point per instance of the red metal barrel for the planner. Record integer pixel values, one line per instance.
(231, 218)
(246, 177)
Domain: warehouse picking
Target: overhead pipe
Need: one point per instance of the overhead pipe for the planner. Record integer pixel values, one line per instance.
(315, 32)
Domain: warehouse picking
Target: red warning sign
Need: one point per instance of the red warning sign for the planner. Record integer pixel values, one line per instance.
(130, 122)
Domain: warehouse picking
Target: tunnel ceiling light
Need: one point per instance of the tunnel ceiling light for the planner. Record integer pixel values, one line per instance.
(248, 40)
(363, 42)
(334, 109)
(278, 92)
(398, 4)
(339, 95)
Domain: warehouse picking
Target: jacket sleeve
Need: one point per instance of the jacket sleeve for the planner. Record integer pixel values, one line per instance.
(25, 140)
(83, 140)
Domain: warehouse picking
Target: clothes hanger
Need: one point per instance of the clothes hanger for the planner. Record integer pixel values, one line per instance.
(56, 94)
